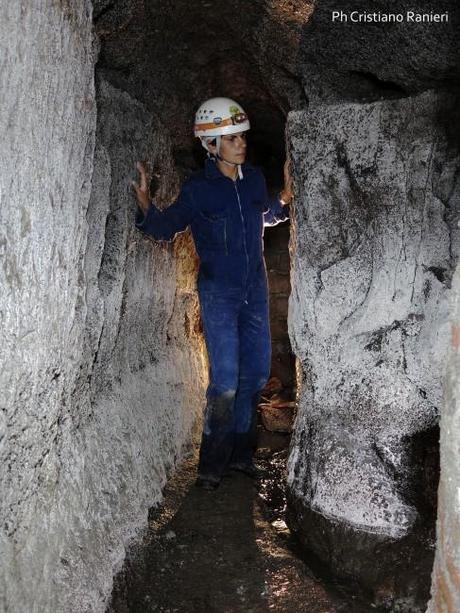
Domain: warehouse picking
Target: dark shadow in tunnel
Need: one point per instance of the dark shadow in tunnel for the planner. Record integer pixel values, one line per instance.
(202, 557)
(216, 552)
(269, 152)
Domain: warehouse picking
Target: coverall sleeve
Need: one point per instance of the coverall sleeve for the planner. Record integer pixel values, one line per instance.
(163, 225)
(274, 211)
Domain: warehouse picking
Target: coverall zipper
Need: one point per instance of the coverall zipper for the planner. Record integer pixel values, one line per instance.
(225, 236)
(244, 229)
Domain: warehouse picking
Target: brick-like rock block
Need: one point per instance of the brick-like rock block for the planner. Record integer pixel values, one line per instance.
(279, 283)
(278, 415)
(279, 306)
(283, 361)
(278, 329)
(272, 259)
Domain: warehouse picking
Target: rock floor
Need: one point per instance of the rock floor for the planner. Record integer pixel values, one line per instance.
(223, 551)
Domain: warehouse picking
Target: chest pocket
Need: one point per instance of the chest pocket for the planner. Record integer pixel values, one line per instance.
(212, 230)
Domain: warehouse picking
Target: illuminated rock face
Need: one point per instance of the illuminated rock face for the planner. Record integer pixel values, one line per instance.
(102, 374)
(446, 572)
(101, 370)
(376, 242)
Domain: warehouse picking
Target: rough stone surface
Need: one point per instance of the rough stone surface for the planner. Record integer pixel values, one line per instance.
(101, 364)
(278, 415)
(167, 54)
(376, 242)
(97, 362)
(446, 573)
(346, 61)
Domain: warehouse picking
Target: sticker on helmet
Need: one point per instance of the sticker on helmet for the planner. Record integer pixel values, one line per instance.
(234, 110)
(217, 120)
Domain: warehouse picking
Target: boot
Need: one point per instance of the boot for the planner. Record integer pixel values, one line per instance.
(207, 483)
(217, 440)
(246, 444)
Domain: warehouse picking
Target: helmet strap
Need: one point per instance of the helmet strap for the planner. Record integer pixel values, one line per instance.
(240, 172)
(218, 156)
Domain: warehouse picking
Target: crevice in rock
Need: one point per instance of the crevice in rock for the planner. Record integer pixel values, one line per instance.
(101, 8)
(441, 274)
(380, 87)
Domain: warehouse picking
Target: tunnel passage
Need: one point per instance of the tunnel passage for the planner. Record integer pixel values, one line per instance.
(102, 357)
(211, 56)
(348, 382)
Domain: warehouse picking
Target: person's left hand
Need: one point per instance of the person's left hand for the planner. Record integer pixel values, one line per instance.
(287, 194)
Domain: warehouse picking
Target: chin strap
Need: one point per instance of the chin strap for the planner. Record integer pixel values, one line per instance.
(221, 159)
(240, 172)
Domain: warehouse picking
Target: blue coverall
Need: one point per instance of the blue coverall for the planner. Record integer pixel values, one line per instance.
(227, 218)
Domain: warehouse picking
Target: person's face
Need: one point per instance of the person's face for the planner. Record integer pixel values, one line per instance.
(233, 147)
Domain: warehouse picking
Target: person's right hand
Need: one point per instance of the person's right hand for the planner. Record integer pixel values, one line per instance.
(142, 190)
(287, 194)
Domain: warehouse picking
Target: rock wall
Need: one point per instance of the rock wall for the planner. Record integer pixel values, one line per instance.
(101, 363)
(102, 366)
(376, 244)
(371, 60)
(446, 572)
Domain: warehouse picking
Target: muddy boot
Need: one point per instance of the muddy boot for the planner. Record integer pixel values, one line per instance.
(217, 440)
(207, 483)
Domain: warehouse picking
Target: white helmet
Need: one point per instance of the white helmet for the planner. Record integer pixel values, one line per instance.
(219, 116)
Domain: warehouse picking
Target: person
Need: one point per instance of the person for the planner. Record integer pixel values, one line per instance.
(226, 205)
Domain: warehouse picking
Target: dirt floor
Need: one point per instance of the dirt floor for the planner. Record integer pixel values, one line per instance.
(227, 550)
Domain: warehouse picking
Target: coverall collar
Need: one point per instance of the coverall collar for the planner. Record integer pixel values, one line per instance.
(212, 171)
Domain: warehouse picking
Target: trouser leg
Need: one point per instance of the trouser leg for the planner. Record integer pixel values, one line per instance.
(218, 437)
(254, 371)
(219, 314)
(245, 443)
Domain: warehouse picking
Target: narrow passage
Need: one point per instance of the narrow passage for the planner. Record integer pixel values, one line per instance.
(223, 551)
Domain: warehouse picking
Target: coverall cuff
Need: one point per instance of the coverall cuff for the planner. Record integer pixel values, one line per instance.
(276, 212)
(142, 221)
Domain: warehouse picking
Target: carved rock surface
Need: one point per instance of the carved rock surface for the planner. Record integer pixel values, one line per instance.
(376, 242)
(342, 60)
(446, 572)
(101, 369)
